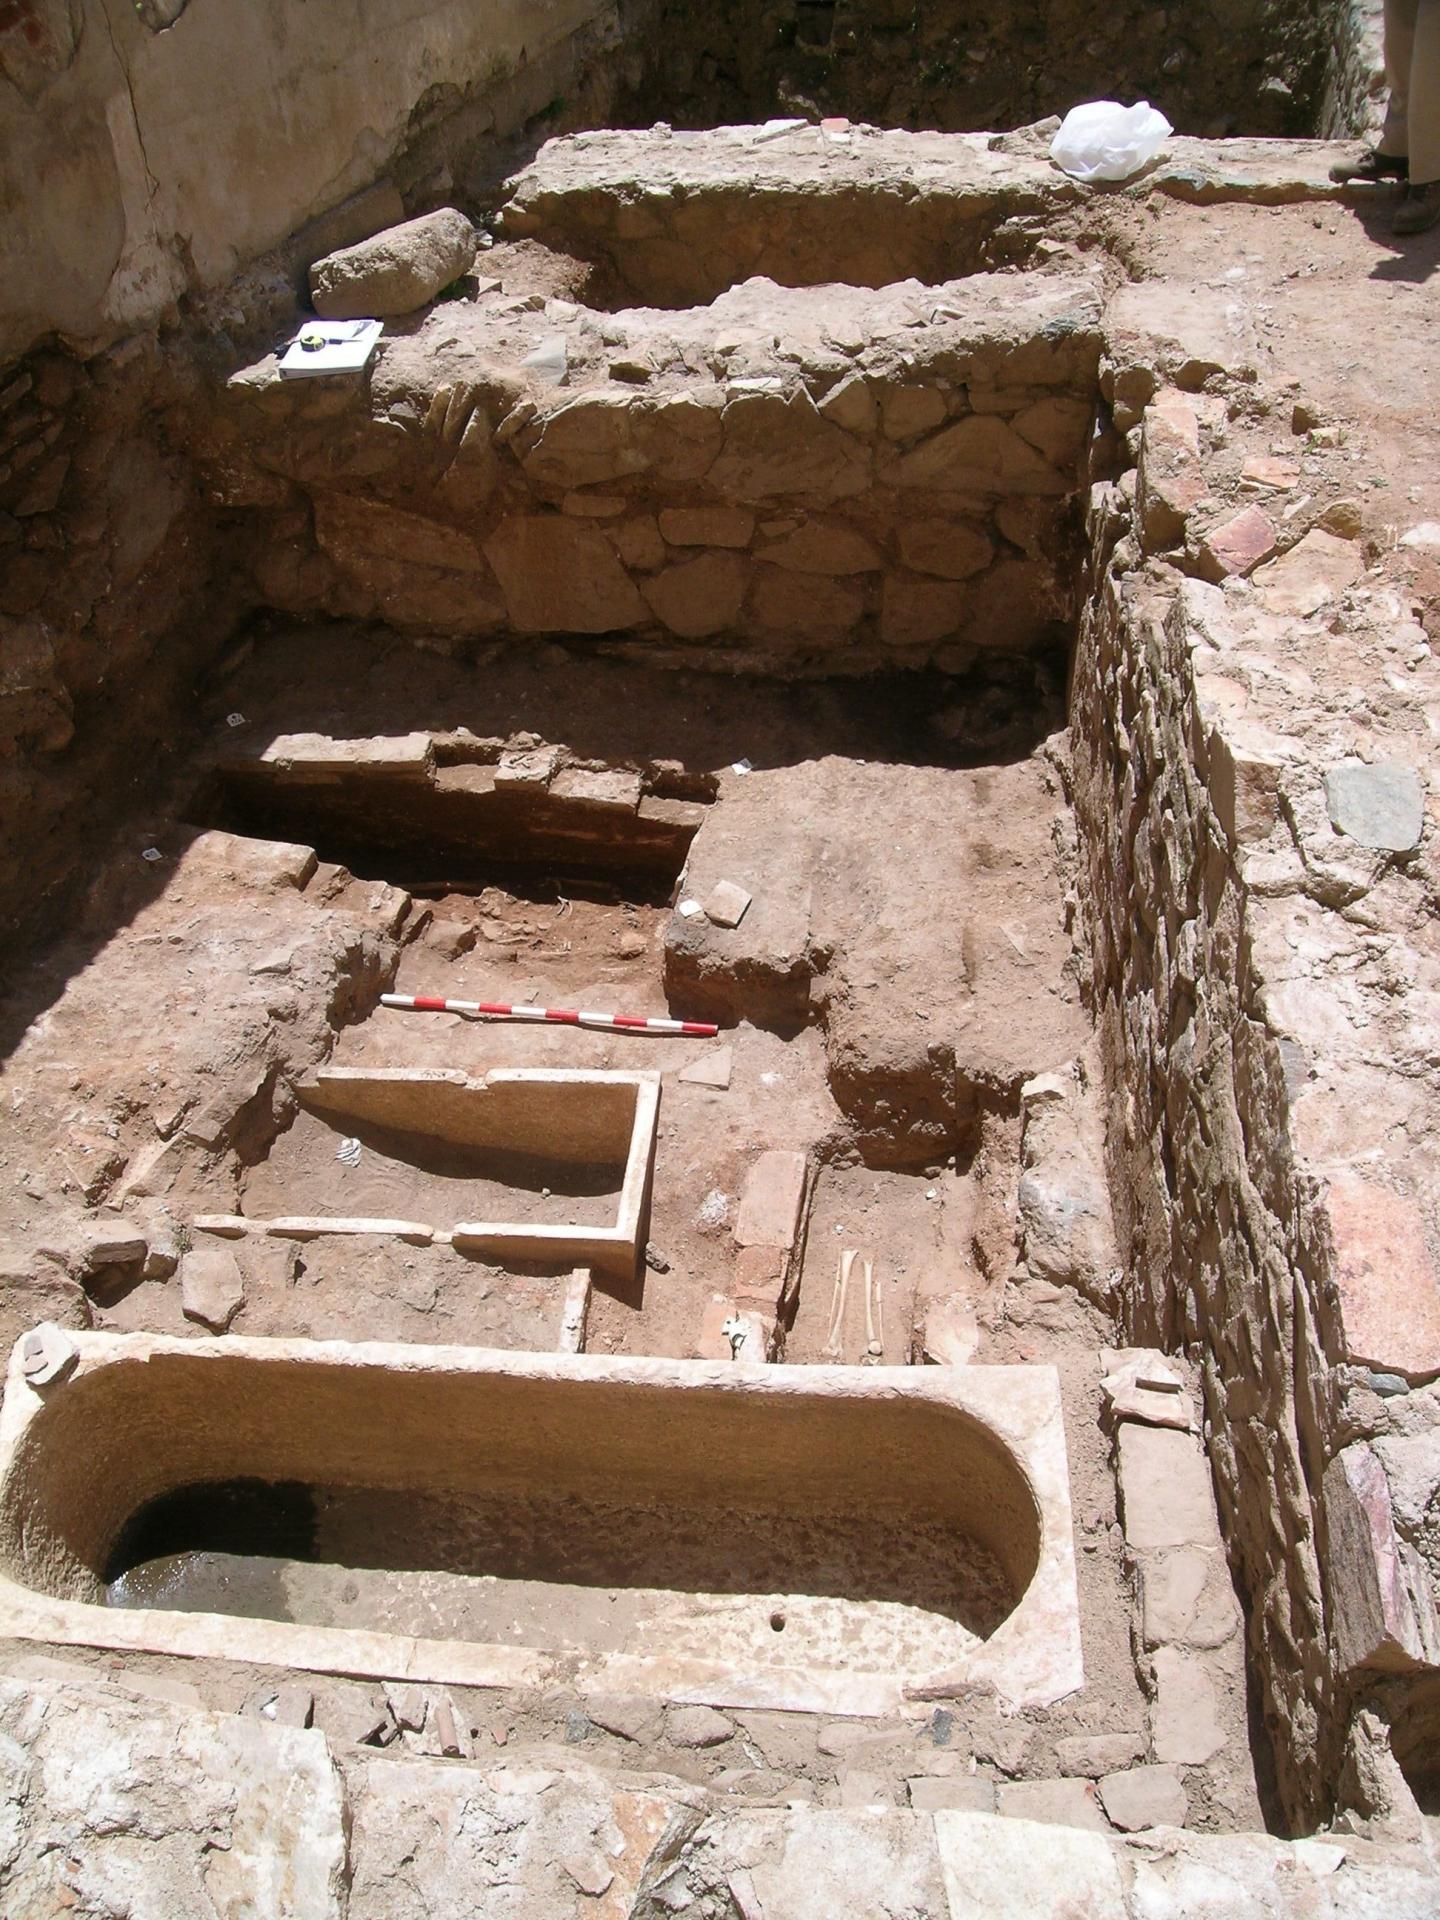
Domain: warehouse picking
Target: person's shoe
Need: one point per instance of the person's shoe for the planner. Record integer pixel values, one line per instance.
(1372, 169)
(1419, 209)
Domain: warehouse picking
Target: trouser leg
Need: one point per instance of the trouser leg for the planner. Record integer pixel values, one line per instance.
(1400, 23)
(1424, 95)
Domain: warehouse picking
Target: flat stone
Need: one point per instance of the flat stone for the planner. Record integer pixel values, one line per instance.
(1002, 1869)
(47, 1355)
(727, 904)
(952, 1332)
(1185, 1717)
(950, 549)
(906, 412)
(759, 1276)
(1144, 1797)
(1172, 481)
(395, 272)
(626, 1715)
(859, 1789)
(707, 526)
(1093, 1754)
(701, 597)
(821, 546)
(256, 863)
(1385, 1278)
(588, 1870)
(1313, 573)
(1381, 805)
(1262, 470)
(1186, 1598)
(964, 1793)
(212, 1287)
(1166, 1498)
(851, 405)
(1060, 1803)
(712, 1069)
(770, 1201)
(561, 576)
(1373, 1578)
(408, 1705)
(697, 1727)
(604, 790)
(1237, 546)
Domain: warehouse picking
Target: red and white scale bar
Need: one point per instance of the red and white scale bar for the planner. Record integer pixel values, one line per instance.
(560, 1016)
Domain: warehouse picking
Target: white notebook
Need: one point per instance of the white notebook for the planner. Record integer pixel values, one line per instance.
(330, 346)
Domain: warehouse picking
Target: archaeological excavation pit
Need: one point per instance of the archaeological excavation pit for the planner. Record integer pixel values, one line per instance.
(962, 632)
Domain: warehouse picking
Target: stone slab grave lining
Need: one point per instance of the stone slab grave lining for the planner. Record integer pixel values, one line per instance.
(979, 1450)
(437, 807)
(576, 1117)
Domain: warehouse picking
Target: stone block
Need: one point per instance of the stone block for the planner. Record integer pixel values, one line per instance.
(980, 454)
(1186, 1599)
(395, 272)
(804, 604)
(701, 597)
(605, 791)
(770, 1201)
(952, 1332)
(712, 1069)
(256, 863)
(1313, 573)
(907, 412)
(1379, 805)
(1144, 1797)
(823, 546)
(950, 549)
(1373, 1581)
(1244, 784)
(707, 526)
(1384, 1277)
(1185, 1726)
(759, 1277)
(1166, 1498)
(355, 531)
(639, 544)
(961, 1793)
(1172, 482)
(860, 1789)
(851, 404)
(1059, 1803)
(726, 904)
(1093, 1754)
(1238, 545)
(1002, 1869)
(917, 613)
(561, 576)
(212, 1287)
(697, 1727)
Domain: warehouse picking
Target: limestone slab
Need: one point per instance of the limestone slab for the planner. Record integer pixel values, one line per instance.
(770, 1202)
(1380, 804)
(1014, 1869)
(1385, 1277)
(1166, 1497)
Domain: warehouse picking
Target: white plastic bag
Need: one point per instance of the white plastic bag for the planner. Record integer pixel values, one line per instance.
(1104, 141)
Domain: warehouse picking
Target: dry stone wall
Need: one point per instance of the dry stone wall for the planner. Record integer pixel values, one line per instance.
(809, 478)
(1260, 865)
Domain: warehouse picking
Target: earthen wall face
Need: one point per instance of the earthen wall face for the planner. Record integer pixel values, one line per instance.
(1218, 68)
